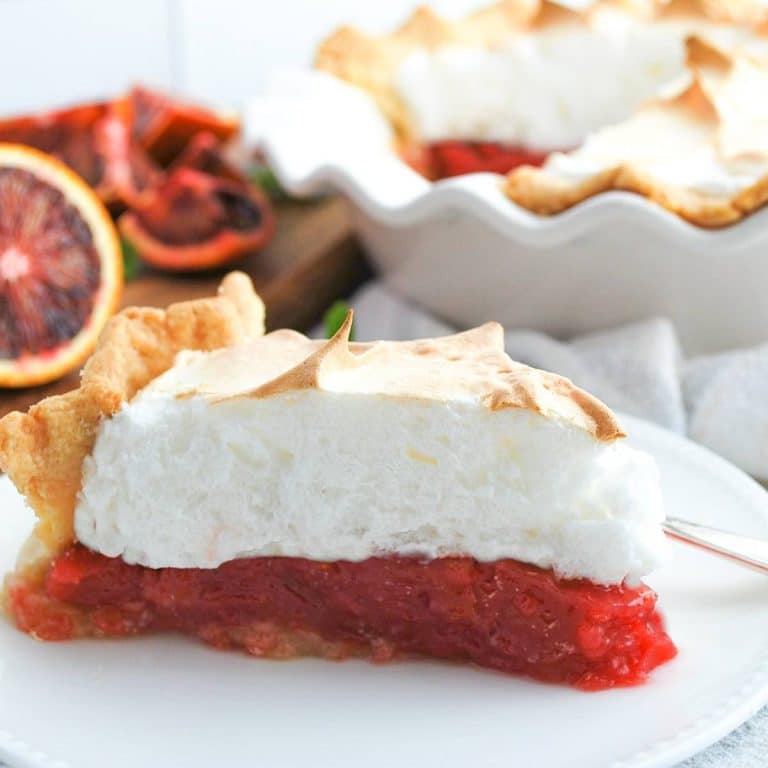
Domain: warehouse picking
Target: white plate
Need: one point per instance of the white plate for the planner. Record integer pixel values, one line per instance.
(168, 701)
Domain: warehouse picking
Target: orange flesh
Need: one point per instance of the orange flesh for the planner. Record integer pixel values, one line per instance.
(49, 268)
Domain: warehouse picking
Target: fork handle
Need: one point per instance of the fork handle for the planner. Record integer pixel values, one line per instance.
(745, 550)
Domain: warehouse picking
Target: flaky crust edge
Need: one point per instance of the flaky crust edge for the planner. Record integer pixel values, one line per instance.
(547, 195)
(43, 450)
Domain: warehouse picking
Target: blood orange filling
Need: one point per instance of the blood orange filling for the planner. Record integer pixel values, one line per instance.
(443, 159)
(505, 615)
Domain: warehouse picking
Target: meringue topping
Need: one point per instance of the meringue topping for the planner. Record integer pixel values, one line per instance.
(470, 366)
(337, 451)
(519, 73)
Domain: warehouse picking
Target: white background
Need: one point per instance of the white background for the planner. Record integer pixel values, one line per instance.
(56, 52)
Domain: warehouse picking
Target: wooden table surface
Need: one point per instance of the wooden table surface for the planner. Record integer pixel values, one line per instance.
(313, 260)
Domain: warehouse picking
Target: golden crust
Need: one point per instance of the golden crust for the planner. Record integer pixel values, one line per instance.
(370, 62)
(43, 450)
(548, 195)
(704, 99)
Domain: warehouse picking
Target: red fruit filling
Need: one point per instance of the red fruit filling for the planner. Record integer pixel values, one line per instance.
(505, 615)
(444, 159)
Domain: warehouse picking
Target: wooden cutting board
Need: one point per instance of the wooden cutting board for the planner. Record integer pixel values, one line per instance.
(313, 260)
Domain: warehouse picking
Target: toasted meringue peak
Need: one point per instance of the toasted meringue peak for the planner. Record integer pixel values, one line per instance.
(730, 11)
(701, 151)
(736, 88)
(371, 62)
(505, 72)
(469, 367)
(311, 373)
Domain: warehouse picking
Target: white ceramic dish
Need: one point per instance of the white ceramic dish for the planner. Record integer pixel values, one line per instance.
(166, 700)
(464, 251)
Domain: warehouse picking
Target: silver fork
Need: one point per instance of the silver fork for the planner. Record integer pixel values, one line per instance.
(745, 550)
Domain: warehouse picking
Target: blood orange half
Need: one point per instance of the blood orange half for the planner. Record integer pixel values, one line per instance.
(60, 267)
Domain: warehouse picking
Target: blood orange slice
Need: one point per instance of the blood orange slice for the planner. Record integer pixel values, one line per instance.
(60, 267)
(95, 141)
(196, 221)
(206, 153)
(67, 133)
(128, 173)
(164, 126)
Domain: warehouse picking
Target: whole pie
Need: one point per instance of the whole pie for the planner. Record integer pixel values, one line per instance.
(293, 497)
(522, 79)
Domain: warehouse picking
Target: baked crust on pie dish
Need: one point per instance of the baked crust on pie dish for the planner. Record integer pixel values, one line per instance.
(288, 496)
(506, 84)
(701, 152)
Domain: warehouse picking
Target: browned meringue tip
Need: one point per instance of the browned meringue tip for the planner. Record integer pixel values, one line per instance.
(370, 61)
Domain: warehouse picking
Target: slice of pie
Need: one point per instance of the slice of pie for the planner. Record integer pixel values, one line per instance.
(701, 151)
(520, 79)
(295, 497)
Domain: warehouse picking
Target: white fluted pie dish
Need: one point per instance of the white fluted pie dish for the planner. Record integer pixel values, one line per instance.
(462, 249)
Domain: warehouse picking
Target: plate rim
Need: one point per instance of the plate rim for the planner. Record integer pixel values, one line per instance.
(753, 695)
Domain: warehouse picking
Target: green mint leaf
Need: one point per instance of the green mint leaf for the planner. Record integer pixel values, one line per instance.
(131, 260)
(334, 318)
(262, 176)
